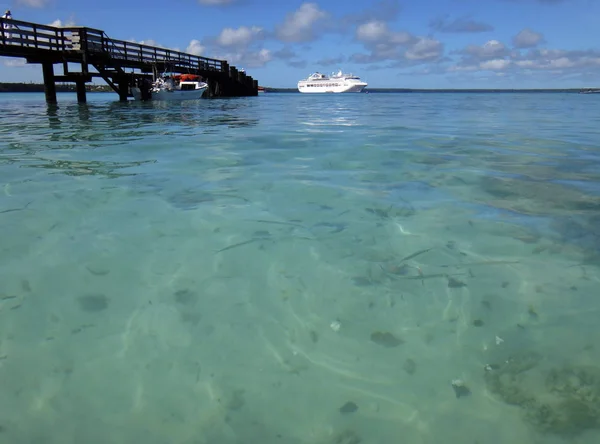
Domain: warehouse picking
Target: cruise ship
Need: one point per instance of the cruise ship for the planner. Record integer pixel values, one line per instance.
(336, 83)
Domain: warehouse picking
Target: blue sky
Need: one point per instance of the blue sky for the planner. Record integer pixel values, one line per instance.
(390, 43)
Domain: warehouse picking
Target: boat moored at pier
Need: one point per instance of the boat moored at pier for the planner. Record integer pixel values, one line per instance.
(171, 87)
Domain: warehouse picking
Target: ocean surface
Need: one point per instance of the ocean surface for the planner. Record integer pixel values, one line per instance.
(300, 269)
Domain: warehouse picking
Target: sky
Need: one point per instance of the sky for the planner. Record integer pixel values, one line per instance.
(388, 43)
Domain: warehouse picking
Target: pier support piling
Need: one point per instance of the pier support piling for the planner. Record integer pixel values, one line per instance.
(81, 96)
(144, 86)
(123, 88)
(49, 83)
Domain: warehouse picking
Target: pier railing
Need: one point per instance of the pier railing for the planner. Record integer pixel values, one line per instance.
(15, 34)
(96, 41)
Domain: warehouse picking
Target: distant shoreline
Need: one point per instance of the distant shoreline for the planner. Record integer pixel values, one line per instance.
(39, 87)
(445, 90)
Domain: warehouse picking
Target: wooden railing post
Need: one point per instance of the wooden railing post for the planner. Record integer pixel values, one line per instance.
(83, 37)
(35, 37)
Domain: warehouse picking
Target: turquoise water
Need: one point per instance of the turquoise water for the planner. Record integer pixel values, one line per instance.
(373, 268)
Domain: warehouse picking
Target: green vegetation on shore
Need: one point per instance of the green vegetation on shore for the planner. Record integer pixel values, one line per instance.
(457, 90)
(39, 87)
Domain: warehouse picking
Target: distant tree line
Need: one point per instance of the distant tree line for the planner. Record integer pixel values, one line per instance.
(408, 90)
(39, 87)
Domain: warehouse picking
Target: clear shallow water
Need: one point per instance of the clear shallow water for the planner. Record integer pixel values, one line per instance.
(293, 269)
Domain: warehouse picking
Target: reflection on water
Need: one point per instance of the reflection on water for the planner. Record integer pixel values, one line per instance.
(336, 110)
(229, 112)
(300, 269)
(139, 117)
(82, 168)
(99, 124)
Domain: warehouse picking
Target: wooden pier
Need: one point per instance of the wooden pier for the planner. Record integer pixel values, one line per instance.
(120, 63)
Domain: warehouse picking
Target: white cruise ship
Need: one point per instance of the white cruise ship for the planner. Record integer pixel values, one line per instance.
(336, 83)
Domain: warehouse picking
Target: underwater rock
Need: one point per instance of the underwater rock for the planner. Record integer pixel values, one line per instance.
(349, 407)
(237, 400)
(460, 388)
(538, 198)
(386, 339)
(532, 313)
(398, 270)
(314, 336)
(567, 404)
(185, 297)
(583, 231)
(347, 437)
(93, 302)
(455, 283)
(410, 366)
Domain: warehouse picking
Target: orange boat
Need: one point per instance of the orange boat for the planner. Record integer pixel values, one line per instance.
(187, 77)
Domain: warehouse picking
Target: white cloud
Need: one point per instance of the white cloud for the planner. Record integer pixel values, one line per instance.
(377, 32)
(424, 49)
(492, 49)
(263, 56)
(494, 56)
(527, 38)
(303, 25)
(195, 47)
(58, 23)
(33, 3)
(250, 45)
(251, 59)
(372, 31)
(399, 46)
(299, 25)
(524, 63)
(494, 65)
(463, 24)
(565, 62)
(239, 46)
(14, 62)
(240, 37)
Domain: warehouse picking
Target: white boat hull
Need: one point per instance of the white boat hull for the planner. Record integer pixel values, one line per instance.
(355, 88)
(194, 94)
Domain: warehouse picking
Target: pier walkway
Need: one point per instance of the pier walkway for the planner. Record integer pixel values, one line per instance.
(120, 63)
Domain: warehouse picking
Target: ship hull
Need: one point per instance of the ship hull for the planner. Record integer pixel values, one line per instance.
(332, 87)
